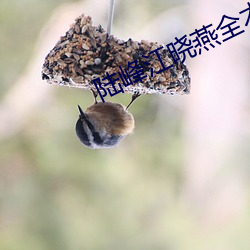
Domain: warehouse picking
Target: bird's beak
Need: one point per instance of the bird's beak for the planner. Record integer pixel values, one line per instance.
(82, 115)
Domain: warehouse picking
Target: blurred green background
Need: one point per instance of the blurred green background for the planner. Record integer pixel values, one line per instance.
(180, 182)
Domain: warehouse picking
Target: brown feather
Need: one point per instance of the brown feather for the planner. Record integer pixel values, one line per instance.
(111, 117)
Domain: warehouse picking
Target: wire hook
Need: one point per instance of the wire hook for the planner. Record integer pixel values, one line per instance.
(110, 15)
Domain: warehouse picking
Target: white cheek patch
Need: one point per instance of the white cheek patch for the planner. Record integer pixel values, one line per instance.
(89, 133)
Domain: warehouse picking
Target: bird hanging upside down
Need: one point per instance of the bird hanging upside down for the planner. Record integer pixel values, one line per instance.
(104, 125)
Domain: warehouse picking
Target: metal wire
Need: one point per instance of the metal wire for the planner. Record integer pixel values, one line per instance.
(110, 15)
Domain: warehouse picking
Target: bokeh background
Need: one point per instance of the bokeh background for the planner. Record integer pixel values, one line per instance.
(180, 182)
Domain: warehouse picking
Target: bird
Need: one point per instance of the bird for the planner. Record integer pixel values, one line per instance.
(104, 124)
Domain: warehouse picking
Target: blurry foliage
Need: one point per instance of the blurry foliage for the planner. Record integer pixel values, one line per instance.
(20, 24)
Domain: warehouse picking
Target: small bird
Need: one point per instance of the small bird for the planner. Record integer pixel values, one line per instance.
(104, 124)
